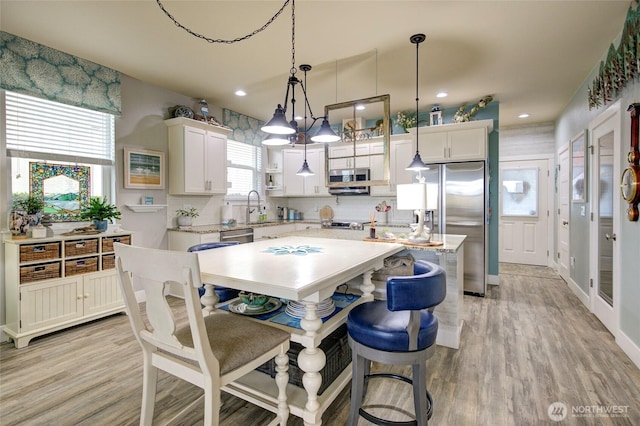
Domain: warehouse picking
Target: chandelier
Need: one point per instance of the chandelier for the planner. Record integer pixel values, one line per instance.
(287, 131)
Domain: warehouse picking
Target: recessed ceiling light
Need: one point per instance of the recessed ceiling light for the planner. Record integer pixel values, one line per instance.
(360, 107)
(241, 93)
(298, 117)
(525, 115)
(442, 95)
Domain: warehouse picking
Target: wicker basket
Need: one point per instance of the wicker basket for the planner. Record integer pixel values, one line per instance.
(80, 247)
(338, 354)
(80, 266)
(39, 272)
(46, 251)
(107, 242)
(108, 261)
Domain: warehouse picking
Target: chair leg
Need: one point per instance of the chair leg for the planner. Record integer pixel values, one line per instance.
(149, 382)
(212, 403)
(420, 392)
(359, 365)
(282, 378)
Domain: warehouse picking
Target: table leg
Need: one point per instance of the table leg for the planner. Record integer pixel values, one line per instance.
(209, 299)
(367, 285)
(311, 360)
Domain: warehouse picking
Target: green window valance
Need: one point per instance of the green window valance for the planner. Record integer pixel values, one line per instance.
(36, 70)
(243, 128)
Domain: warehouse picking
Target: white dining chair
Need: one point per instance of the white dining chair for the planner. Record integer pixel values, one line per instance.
(209, 352)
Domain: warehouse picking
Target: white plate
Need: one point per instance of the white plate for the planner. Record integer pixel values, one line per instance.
(238, 307)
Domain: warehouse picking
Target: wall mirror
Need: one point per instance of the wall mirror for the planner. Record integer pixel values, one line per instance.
(364, 126)
(578, 168)
(63, 188)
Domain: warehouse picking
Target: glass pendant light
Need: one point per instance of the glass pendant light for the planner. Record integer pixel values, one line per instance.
(417, 164)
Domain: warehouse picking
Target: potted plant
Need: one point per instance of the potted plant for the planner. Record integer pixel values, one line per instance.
(101, 212)
(31, 205)
(185, 216)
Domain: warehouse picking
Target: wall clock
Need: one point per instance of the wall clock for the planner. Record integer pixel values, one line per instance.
(630, 179)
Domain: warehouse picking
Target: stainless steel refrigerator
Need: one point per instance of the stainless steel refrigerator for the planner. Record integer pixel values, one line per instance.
(461, 193)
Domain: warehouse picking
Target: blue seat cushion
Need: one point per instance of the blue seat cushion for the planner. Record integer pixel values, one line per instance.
(224, 293)
(373, 325)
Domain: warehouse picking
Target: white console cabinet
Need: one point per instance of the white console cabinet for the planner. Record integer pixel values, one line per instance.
(197, 157)
(58, 282)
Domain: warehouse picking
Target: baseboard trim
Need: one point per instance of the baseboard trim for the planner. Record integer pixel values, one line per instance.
(581, 295)
(629, 347)
(493, 279)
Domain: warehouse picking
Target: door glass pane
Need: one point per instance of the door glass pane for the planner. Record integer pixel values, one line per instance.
(605, 219)
(520, 192)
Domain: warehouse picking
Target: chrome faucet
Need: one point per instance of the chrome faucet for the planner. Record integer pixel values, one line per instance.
(249, 211)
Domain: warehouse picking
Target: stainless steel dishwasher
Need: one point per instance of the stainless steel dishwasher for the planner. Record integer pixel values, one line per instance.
(243, 235)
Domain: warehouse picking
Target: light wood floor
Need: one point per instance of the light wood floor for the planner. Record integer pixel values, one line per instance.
(529, 343)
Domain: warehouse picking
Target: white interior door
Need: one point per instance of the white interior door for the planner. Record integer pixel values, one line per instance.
(524, 212)
(563, 225)
(605, 200)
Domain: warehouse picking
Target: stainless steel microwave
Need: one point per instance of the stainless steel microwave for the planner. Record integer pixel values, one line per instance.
(349, 175)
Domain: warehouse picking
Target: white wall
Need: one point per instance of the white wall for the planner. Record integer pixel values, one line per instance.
(527, 140)
(144, 109)
(575, 118)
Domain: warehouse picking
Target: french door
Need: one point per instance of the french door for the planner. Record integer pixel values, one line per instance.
(604, 199)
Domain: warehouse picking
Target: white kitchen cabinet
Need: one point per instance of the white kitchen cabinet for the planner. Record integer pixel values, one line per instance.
(347, 160)
(182, 240)
(197, 157)
(58, 282)
(403, 150)
(454, 142)
(376, 165)
(294, 185)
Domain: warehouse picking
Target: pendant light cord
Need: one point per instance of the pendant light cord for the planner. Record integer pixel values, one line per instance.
(219, 40)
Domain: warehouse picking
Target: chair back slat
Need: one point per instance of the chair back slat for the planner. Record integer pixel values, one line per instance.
(152, 271)
(425, 289)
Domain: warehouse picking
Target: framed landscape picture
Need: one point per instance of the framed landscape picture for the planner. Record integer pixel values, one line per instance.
(143, 168)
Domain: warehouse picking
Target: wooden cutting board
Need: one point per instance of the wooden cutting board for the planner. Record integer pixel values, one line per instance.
(405, 242)
(326, 213)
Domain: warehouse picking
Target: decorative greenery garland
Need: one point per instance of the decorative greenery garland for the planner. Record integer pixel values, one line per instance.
(621, 66)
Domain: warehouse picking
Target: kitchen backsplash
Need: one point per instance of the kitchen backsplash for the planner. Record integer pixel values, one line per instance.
(353, 208)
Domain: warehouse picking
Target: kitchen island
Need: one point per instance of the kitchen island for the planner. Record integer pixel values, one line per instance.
(449, 255)
(307, 270)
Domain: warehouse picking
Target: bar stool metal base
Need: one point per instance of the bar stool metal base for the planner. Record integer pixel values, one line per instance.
(384, 422)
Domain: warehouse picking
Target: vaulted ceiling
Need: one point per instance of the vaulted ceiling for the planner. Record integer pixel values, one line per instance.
(531, 56)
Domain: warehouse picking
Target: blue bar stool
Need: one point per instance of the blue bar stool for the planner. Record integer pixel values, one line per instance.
(224, 293)
(399, 331)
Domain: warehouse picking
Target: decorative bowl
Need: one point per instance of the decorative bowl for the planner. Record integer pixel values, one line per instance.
(253, 300)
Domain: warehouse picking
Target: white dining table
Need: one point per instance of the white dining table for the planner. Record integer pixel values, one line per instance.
(303, 269)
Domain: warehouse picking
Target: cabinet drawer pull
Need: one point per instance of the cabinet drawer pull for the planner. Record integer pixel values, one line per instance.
(80, 263)
(39, 268)
(81, 244)
(39, 249)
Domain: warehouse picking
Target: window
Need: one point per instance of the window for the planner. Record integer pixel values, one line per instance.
(41, 131)
(244, 168)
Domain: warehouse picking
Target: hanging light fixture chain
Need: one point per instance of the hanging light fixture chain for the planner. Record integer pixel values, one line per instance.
(293, 38)
(219, 40)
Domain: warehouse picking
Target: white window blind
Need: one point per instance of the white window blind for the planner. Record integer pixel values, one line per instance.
(52, 131)
(244, 168)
